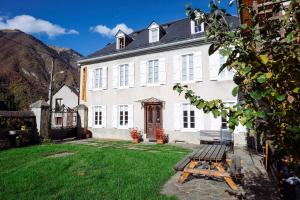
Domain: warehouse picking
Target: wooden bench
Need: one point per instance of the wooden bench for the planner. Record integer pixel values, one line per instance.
(210, 159)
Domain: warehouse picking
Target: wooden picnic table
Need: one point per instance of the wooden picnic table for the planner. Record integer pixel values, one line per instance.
(208, 160)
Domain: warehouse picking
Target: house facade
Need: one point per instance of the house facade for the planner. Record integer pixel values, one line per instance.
(63, 112)
(129, 83)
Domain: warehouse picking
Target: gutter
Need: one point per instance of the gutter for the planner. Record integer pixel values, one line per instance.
(143, 50)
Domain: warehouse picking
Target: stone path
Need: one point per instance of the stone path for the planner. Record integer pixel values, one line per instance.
(255, 186)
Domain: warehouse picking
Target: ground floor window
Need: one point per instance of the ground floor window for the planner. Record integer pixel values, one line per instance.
(188, 115)
(224, 123)
(97, 115)
(123, 115)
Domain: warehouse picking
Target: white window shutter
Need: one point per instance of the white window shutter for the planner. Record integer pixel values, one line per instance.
(90, 116)
(162, 75)
(215, 123)
(177, 69)
(90, 78)
(214, 66)
(199, 119)
(104, 116)
(104, 78)
(177, 116)
(130, 116)
(115, 116)
(115, 77)
(143, 73)
(198, 66)
(131, 74)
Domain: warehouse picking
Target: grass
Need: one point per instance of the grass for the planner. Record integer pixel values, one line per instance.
(98, 170)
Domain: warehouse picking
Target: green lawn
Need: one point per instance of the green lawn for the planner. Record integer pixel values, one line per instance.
(97, 170)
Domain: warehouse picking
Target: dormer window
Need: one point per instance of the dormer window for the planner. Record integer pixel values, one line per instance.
(196, 25)
(154, 32)
(154, 35)
(121, 42)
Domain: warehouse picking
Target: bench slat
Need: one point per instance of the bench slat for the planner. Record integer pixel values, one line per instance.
(185, 161)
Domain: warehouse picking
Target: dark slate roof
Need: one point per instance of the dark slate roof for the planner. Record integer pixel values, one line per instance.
(174, 31)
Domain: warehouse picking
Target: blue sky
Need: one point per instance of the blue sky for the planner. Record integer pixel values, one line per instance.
(87, 26)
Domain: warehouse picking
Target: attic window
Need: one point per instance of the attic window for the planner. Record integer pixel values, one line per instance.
(196, 25)
(154, 35)
(121, 43)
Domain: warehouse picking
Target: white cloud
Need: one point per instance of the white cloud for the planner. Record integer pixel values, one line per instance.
(105, 31)
(30, 24)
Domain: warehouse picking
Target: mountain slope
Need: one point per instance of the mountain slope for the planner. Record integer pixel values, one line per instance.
(25, 64)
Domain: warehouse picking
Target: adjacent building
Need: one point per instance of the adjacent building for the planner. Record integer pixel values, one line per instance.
(63, 109)
(129, 83)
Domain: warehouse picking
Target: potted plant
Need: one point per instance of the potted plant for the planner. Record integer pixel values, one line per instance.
(160, 136)
(135, 135)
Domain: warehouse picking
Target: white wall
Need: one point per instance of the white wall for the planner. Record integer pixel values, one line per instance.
(207, 89)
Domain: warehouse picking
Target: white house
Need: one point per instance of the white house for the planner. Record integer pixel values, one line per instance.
(64, 101)
(129, 83)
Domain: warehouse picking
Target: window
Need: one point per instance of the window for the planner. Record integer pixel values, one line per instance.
(198, 26)
(123, 76)
(58, 103)
(225, 74)
(74, 119)
(188, 114)
(98, 78)
(152, 72)
(97, 115)
(121, 42)
(154, 35)
(187, 72)
(58, 120)
(123, 115)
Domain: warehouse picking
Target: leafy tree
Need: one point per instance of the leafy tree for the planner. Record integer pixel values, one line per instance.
(265, 57)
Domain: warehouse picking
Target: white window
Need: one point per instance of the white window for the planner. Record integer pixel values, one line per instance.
(153, 66)
(198, 26)
(187, 70)
(154, 35)
(123, 75)
(98, 78)
(225, 74)
(123, 116)
(188, 116)
(121, 43)
(97, 116)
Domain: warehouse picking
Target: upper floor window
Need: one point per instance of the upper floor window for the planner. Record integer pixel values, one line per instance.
(198, 26)
(152, 71)
(121, 42)
(98, 78)
(123, 116)
(188, 114)
(154, 35)
(225, 74)
(123, 75)
(187, 70)
(58, 103)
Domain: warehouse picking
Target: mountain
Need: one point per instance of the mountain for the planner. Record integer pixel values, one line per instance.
(25, 65)
(69, 55)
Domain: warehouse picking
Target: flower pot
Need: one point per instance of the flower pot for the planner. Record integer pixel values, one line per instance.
(135, 141)
(160, 141)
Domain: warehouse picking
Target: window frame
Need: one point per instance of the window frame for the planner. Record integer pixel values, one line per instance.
(56, 124)
(225, 75)
(100, 80)
(100, 116)
(123, 108)
(190, 57)
(122, 84)
(151, 64)
(151, 32)
(189, 117)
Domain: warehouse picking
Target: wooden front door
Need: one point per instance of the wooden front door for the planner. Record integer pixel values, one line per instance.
(153, 119)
